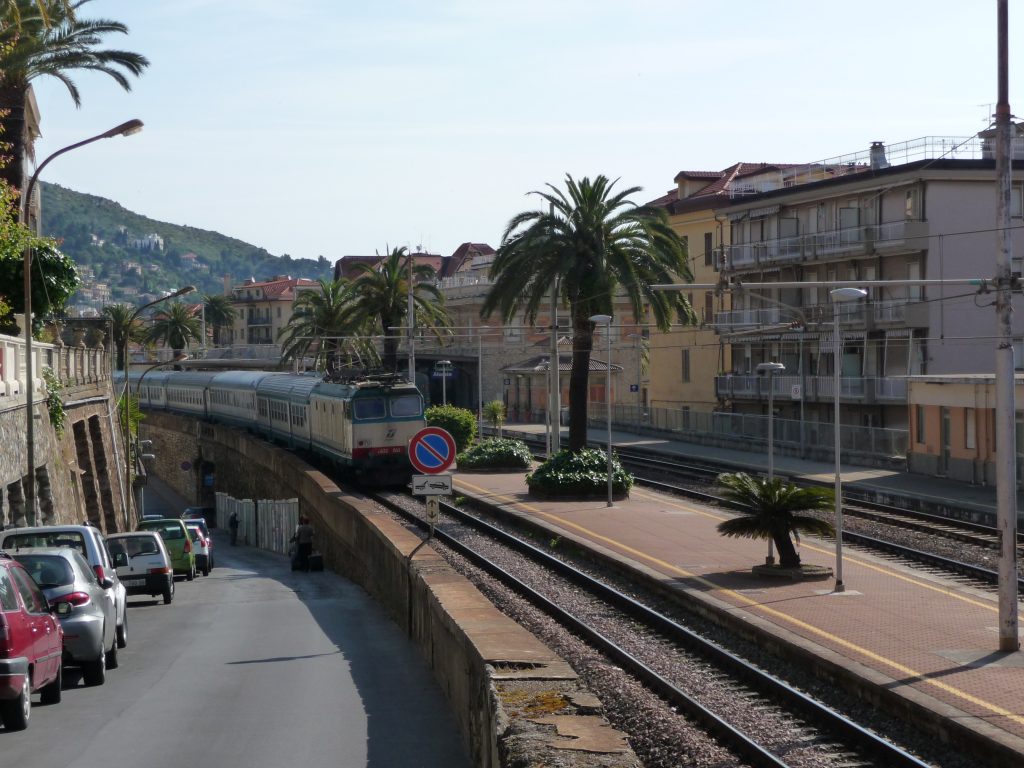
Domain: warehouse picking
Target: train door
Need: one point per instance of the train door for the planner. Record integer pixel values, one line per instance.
(944, 448)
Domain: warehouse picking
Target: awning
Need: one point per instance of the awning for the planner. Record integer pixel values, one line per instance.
(766, 210)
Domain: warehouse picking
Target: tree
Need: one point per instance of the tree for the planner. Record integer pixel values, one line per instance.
(54, 277)
(383, 299)
(594, 243)
(220, 312)
(318, 322)
(175, 326)
(46, 37)
(123, 328)
(770, 509)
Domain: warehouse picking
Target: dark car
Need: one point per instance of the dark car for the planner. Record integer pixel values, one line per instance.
(31, 638)
(207, 514)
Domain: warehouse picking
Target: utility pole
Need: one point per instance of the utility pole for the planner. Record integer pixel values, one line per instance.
(412, 328)
(1006, 469)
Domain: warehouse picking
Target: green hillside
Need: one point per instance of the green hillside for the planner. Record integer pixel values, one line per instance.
(96, 233)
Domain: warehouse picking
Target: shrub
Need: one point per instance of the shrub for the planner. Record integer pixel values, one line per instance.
(55, 401)
(459, 422)
(496, 453)
(579, 474)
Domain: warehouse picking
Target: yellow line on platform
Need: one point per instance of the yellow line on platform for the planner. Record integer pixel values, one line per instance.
(753, 604)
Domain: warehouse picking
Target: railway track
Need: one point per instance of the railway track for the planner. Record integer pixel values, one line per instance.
(758, 717)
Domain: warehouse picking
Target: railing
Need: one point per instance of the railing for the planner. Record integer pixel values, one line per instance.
(736, 318)
(813, 388)
(73, 366)
(749, 432)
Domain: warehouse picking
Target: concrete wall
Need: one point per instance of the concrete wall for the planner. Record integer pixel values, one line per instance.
(494, 673)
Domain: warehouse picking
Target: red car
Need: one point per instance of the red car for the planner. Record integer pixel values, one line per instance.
(31, 641)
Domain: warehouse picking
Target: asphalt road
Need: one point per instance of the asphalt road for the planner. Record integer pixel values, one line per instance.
(251, 666)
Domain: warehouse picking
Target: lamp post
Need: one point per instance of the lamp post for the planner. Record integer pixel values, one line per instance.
(480, 379)
(126, 432)
(770, 369)
(125, 129)
(839, 296)
(606, 321)
(444, 367)
(138, 389)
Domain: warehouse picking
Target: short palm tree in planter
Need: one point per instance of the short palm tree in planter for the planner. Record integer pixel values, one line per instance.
(770, 509)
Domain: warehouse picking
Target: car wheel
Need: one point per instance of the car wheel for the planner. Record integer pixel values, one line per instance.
(111, 655)
(191, 573)
(15, 713)
(169, 593)
(122, 631)
(206, 570)
(95, 672)
(51, 693)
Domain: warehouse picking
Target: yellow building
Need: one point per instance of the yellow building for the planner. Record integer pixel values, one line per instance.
(264, 308)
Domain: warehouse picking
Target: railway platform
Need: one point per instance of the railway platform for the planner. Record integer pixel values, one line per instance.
(919, 644)
(883, 485)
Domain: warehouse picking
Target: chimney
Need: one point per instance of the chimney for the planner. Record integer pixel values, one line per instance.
(878, 160)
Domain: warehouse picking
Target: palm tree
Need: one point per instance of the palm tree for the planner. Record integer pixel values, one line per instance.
(123, 328)
(595, 243)
(383, 299)
(220, 312)
(318, 323)
(176, 326)
(54, 42)
(770, 509)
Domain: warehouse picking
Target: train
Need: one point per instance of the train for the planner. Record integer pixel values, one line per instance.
(360, 426)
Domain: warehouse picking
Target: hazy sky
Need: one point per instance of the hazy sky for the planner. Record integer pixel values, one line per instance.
(330, 127)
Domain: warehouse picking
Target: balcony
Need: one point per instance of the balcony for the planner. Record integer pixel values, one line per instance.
(864, 240)
(736, 319)
(874, 389)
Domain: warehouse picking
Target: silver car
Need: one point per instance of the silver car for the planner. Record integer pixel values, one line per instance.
(90, 636)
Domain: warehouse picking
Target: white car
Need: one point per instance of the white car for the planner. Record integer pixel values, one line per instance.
(88, 540)
(200, 547)
(142, 563)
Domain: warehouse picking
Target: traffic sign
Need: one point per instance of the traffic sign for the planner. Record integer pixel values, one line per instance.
(432, 485)
(432, 450)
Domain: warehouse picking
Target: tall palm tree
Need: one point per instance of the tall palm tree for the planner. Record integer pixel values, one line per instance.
(175, 326)
(318, 323)
(383, 300)
(596, 243)
(220, 312)
(123, 328)
(55, 42)
(769, 509)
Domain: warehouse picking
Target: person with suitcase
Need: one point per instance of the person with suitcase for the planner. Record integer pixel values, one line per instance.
(303, 539)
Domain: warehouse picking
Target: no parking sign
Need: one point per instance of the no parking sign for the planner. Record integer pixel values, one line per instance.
(432, 450)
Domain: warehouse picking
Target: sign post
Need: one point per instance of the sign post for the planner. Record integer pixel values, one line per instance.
(432, 451)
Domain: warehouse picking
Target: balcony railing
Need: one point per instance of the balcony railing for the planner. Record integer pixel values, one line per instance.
(812, 388)
(746, 318)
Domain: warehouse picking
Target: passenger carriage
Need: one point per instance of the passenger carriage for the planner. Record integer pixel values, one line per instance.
(233, 397)
(282, 406)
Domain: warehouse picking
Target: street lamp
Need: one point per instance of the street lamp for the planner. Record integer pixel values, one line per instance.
(606, 321)
(444, 367)
(125, 129)
(180, 357)
(839, 296)
(126, 433)
(480, 379)
(770, 369)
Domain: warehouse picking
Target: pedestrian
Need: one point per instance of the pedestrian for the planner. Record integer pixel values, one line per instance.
(303, 544)
(233, 525)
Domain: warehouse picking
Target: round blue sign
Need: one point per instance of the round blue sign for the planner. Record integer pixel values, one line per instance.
(432, 450)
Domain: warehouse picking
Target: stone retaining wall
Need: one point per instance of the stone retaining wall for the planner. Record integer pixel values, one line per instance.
(512, 696)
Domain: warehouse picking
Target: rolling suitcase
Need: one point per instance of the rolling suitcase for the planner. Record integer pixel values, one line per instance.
(316, 562)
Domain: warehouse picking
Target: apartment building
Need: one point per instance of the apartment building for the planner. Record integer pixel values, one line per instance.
(264, 308)
(923, 209)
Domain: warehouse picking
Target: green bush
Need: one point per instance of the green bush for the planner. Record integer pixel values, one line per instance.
(579, 474)
(496, 453)
(459, 422)
(55, 401)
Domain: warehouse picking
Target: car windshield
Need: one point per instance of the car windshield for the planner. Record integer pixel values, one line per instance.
(405, 405)
(368, 407)
(48, 571)
(72, 539)
(167, 530)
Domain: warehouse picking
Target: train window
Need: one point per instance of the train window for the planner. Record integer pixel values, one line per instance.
(369, 408)
(405, 405)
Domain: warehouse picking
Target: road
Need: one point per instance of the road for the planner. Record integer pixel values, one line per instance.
(251, 666)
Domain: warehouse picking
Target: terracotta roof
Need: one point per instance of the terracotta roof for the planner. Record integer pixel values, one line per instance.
(278, 288)
(345, 266)
(463, 257)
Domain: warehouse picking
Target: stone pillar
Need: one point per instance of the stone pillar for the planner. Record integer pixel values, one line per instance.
(16, 502)
(45, 495)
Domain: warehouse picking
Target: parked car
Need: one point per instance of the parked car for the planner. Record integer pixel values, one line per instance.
(201, 548)
(89, 542)
(207, 514)
(143, 563)
(90, 627)
(31, 639)
(206, 532)
(178, 543)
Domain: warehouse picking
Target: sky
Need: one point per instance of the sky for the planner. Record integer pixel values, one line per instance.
(332, 127)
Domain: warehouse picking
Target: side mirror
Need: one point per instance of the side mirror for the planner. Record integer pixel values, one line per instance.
(106, 582)
(120, 560)
(61, 609)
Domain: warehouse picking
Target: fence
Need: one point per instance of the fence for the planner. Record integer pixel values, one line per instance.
(267, 523)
